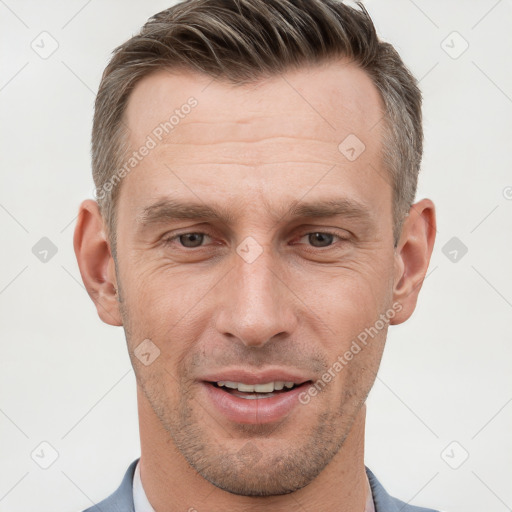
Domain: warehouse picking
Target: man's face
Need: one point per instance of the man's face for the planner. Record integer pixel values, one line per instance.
(298, 262)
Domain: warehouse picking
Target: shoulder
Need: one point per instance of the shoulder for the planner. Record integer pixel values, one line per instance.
(120, 500)
(386, 503)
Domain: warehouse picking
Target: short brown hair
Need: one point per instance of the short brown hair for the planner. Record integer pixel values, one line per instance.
(243, 41)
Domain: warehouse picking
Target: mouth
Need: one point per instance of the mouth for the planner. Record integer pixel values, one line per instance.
(256, 391)
(254, 401)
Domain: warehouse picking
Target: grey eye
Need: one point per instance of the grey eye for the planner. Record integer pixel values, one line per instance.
(191, 239)
(320, 239)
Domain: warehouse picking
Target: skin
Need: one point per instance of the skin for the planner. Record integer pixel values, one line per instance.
(253, 151)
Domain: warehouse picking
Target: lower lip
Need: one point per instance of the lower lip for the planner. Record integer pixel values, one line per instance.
(257, 410)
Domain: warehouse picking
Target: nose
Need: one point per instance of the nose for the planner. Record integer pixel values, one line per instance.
(256, 304)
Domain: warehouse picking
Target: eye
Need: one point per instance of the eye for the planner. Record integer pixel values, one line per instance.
(320, 238)
(188, 240)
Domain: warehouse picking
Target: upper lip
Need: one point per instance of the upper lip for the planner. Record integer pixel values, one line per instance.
(257, 377)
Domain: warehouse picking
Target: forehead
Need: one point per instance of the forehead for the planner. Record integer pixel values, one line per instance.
(279, 134)
(331, 98)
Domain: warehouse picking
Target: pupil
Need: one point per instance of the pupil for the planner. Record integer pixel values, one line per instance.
(191, 239)
(320, 239)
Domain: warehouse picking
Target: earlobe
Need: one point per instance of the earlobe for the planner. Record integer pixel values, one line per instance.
(96, 263)
(412, 257)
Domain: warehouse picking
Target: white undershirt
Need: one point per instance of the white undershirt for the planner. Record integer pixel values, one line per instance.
(141, 502)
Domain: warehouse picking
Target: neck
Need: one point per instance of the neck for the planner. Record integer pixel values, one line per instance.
(172, 485)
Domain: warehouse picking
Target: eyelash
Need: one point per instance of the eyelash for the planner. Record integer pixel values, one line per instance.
(171, 239)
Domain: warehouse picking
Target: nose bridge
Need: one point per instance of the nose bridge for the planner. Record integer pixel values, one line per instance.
(255, 306)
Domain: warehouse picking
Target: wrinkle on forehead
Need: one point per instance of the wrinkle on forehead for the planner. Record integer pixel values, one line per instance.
(326, 103)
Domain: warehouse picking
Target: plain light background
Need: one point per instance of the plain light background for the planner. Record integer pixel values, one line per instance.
(443, 391)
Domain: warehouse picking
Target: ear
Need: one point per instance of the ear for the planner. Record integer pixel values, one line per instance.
(412, 256)
(96, 263)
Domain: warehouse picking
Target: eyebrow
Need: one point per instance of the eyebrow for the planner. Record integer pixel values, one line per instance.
(331, 208)
(167, 210)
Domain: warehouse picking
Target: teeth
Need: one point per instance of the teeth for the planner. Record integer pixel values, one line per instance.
(245, 387)
(264, 388)
(269, 387)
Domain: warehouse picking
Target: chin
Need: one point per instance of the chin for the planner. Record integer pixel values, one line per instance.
(266, 485)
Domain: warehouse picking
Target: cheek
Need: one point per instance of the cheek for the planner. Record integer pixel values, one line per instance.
(161, 297)
(355, 362)
(347, 301)
(167, 308)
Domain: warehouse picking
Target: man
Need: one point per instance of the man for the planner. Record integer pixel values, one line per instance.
(255, 164)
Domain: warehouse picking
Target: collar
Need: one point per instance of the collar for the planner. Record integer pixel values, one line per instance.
(140, 500)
